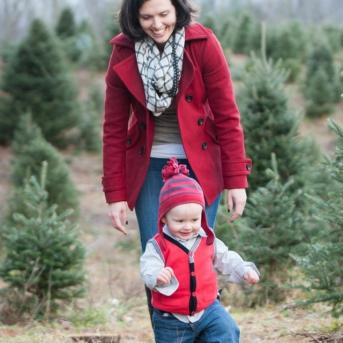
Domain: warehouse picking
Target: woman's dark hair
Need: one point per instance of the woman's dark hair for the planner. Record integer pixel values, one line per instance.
(129, 13)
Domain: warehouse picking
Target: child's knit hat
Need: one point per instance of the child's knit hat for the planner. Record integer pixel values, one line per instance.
(179, 189)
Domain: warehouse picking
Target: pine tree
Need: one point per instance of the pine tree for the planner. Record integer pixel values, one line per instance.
(90, 123)
(319, 92)
(31, 149)
(243, 42)
(269, 125)
(289, 44)
(66, 26)
(112, 30)
(37, 81)
(272, 229)
(320, 65)
(323, 260)
(43, 256)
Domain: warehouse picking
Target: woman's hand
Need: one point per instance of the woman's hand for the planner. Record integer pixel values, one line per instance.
(117, 211)
(236, 200)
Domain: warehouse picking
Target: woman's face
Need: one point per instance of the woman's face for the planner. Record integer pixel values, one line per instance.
(157, 19)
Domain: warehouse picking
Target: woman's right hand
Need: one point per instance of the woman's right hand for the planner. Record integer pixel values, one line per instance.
(117, 211)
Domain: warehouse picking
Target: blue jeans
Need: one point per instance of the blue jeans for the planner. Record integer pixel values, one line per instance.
(215, 326)
(147, 203)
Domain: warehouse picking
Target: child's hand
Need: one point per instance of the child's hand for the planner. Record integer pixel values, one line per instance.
(251, 277)
(164, 277)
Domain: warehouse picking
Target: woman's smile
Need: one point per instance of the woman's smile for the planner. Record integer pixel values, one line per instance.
(157, 19)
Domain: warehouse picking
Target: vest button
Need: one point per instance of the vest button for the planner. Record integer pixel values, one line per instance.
(128, 141)
(200, 121)
(142, 126)
(204, 146)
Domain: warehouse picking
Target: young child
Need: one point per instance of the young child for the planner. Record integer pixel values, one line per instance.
(179, 265)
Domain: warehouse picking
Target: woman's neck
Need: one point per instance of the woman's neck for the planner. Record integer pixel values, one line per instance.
(160, 46)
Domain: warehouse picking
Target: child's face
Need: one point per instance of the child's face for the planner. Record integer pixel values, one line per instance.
(184, 221)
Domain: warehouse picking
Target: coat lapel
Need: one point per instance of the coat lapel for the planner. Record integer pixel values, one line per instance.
(186, 75)
(127, 70)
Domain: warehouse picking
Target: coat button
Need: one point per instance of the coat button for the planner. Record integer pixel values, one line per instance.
(128, 141)
(204, 146)
(248, 167)
(142, 126)
(189, 98)
(200, 121)
(142, 150)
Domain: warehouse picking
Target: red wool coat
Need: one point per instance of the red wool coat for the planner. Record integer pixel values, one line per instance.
(208, 117)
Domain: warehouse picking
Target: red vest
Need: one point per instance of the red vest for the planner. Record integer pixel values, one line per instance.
(196, 275)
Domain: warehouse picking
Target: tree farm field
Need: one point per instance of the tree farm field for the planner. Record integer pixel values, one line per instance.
(115, 305)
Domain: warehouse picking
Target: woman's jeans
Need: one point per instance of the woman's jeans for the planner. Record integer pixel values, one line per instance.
(215, 326)
(147, 203)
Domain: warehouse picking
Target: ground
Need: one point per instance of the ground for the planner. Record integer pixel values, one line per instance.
(115, 301)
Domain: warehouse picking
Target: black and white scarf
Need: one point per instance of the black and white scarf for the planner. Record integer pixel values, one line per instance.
(160, 72)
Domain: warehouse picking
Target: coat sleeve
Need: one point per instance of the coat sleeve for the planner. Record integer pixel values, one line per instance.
(117, 110)
(226, 115)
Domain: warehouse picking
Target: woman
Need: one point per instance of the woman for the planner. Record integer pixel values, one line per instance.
(169, 94)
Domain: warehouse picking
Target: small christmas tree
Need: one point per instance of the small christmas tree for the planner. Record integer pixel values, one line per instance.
(43, 256)
(66, 26)
(272, 229)
(112, 29)
(37, 81)
(323, 260)
(90, 123)
(270, 126)
(319, 94)
(287, 43)
(31, 149)
(320, 67)
(246, 29)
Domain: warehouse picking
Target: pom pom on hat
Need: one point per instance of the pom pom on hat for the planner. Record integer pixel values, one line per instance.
(173, 168)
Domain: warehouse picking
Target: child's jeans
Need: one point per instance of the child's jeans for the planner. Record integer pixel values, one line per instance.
(215, 326)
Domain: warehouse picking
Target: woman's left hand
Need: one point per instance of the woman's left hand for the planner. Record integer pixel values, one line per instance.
(236, 200)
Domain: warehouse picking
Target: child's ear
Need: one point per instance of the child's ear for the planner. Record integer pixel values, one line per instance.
(163, 220)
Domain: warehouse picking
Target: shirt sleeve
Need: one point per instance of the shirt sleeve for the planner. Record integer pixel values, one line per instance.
(151, 265)
(231, 264)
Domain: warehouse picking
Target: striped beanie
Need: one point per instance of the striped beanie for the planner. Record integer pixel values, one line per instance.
(179, 189)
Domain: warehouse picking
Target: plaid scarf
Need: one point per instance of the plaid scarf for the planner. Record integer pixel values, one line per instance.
(160, 72)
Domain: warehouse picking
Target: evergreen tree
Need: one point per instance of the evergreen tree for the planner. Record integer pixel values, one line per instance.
(43, 256)
(323, 260)
(320, 61)
(243, 42)
(31, 149)
(334, 35)
(66, 26)
(36, 79)
(113, 29)
(319, 92)
(226, 32)
(289, 44)
(90, 122)
(269, 125)
(272, 229)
